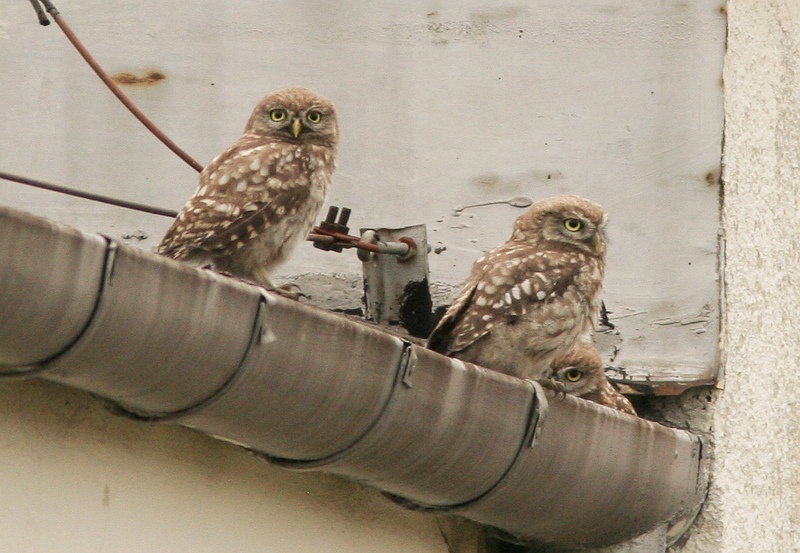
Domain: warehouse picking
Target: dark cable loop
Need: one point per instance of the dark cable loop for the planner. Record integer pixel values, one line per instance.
(43, 21)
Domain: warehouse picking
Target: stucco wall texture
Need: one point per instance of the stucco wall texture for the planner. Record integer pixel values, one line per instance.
(75, 478)
(755, 494)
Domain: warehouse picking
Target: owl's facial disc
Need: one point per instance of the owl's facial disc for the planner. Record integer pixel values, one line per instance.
(584, 231)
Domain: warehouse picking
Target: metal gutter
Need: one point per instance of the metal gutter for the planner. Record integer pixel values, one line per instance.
(311, 390)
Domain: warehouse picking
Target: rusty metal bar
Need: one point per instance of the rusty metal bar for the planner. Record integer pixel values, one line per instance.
(400, 248)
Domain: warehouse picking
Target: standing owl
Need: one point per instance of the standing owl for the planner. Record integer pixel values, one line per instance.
(531, 299)
(261, 195)
(580, 373)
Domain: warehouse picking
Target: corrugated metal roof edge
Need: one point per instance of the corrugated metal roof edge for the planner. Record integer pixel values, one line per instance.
(315, 391)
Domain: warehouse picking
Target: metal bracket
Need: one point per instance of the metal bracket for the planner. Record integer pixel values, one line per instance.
(396, 286)
(408, 362)
(330, 226)
(540, 411)
(332, 235)
(38, 367)
(260, 335)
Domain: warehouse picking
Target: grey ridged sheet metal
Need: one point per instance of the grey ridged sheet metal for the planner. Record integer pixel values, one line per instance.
(594, 477)
(312, 390)
(50, 279)
(313, 385)
(165, 336)
(443, 416)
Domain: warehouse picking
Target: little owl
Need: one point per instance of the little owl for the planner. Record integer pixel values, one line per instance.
(580, 373)
(531, 299)
(261, 195)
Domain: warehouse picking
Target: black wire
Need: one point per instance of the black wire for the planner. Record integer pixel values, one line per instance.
(89, 195)
(51, 9)
(40, 13)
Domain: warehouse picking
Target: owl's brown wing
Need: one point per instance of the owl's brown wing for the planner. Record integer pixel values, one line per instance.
(222, 226)
(441, 337)
(509, 281)
(616, 400)
(241, 193)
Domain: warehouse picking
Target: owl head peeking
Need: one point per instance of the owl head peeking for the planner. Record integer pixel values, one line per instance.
(295, 115)
(567, 220)
(580, 373)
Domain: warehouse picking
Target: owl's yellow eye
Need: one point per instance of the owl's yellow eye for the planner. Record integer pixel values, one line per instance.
(314, 117)
(573, 225)
(277, 115)
(573, 375)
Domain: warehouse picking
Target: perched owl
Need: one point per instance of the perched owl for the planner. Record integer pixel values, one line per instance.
(261, 195)
(531, 299)
(580, 373)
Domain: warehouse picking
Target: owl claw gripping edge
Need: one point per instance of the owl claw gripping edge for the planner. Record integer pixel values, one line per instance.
(260, 196)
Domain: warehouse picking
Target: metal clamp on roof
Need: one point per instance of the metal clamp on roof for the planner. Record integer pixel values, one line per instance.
(261, 334)
(594, 477)
(537, 414)
(311, 391)
(396, 288)
(166, 336)
(332, 235)
(442, 441)
(52, 279)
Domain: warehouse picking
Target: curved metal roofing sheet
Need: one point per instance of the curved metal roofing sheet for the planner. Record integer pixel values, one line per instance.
(314, 390)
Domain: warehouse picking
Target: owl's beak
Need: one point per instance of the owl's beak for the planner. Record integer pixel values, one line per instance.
(596, 243)
(297, 128)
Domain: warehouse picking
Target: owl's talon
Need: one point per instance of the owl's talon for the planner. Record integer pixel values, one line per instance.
(552, 384)
(290, 290)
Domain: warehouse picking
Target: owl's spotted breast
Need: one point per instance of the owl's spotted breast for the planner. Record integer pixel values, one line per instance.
(530, 299)
(260, 196)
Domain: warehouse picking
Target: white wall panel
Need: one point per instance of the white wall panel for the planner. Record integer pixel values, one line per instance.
(442, 104)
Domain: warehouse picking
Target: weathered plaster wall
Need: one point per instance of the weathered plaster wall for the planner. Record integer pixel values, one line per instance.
(754, 503)
(75, 478)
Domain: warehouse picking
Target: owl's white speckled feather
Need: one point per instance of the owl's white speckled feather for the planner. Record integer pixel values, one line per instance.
(531, 299)
(261, 195)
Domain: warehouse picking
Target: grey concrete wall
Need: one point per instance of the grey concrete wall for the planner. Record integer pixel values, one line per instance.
(754, 503)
